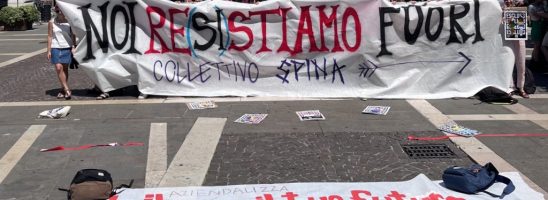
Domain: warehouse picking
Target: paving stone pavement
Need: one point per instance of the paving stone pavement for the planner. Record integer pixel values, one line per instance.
(302, 152)
(34, 79)
(321, 157)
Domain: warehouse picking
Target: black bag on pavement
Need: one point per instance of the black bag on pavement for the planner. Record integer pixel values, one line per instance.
(475, 179)
(92, 184)
(495, 96)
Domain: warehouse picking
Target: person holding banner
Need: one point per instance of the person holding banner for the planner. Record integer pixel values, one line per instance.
(60, 49)
(518, 48)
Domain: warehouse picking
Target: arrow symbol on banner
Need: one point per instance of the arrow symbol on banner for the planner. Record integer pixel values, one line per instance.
(367, 70)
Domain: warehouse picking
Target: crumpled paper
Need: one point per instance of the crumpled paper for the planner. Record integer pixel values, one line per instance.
(55, 113)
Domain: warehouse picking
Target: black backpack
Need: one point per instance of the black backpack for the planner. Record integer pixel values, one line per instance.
(92, 184)
(495, 96)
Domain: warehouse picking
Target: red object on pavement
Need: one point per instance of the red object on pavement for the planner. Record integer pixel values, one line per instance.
(87, 146)
(480, 135)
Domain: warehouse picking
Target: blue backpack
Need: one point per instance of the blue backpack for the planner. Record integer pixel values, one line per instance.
(475, 179)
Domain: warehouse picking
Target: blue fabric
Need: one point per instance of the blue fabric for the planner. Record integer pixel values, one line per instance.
(63, 56)
(475, 179)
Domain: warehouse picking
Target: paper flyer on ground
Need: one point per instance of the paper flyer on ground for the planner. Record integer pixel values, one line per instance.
(310, 115)
(201, 105)
(376, 110)
(251, 118)
(454, 128)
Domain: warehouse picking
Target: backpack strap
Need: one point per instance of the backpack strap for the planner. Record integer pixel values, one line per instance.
(509, 185)
(499, 178)
(115, 190)
(68, 191)
(124, 185)
(507, 190)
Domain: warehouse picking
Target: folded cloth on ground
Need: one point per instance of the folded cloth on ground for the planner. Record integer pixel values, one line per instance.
(55, 113)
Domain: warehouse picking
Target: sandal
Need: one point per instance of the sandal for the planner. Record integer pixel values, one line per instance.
(102, 96)
(523, 94)
(61, 95)
(68, 94)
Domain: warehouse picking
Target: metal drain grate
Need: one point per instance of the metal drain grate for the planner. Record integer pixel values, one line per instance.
(424, 151)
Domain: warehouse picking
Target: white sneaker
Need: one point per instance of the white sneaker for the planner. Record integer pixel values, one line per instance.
(142, 96)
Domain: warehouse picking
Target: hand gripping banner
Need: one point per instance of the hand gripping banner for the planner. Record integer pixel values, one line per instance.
(297, 48)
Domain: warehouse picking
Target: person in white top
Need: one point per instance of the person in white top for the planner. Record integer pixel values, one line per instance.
(60, 49)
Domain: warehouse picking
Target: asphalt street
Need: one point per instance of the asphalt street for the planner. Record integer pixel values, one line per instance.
(347, 147)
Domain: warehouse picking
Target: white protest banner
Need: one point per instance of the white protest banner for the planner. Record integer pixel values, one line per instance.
(327, 48)
(418, 188)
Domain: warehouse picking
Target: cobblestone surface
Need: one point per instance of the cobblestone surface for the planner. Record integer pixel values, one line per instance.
(34, 79)
(322, 157)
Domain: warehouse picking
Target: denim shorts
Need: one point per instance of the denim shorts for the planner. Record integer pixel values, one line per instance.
(63, 56)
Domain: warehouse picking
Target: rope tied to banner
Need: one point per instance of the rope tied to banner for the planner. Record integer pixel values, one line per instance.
(88, 146)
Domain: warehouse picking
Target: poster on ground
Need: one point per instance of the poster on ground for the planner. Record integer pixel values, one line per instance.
(251, 118)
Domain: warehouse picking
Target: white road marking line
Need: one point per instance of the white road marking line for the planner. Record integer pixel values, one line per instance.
(84, 102)
(29, 39)
(157, 155)
(536, 96)
(521, 109)
(531, 117)
(471, 146)
(190, 164)
(23, 57)
(11, 54)
(22, 35)
(157, 101)
(18, 149)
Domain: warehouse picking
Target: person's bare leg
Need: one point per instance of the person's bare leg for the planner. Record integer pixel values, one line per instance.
(520, 63)
(65, 69)
(62, 75)
(519, 52)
